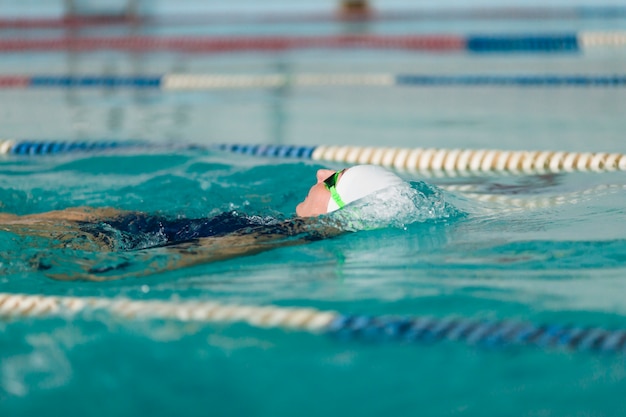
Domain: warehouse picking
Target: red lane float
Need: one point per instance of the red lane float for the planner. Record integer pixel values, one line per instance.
(231, 44)
(11, 81)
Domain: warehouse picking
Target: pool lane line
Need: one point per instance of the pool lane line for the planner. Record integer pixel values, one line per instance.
(570, 42)
(65, 81)
(367, 328)
(445, 162)
(533, 201)
(222, 44)
(32, 148)
(199, 82)
(478, 44)
(425, 161)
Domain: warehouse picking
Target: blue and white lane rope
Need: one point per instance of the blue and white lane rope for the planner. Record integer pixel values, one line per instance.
(403, 329)
(446, 162)
(426, 161)
(199, 82)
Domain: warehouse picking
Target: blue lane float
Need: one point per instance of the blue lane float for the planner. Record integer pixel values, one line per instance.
(51, 147)
(510, 44)
(485, 333)
(284, 151)
(96, 81)
(24, 148)
(517, 81)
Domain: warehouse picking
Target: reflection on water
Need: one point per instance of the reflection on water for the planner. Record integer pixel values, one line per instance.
(536, 248)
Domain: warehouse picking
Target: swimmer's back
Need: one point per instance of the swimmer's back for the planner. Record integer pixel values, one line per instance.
(135, 230)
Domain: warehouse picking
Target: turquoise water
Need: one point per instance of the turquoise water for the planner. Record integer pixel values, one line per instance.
(534, 248)
(561, 264)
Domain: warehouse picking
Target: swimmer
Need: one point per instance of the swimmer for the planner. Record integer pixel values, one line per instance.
(187, 242)
(354, 10)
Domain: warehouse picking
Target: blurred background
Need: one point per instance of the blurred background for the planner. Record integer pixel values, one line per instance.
(459, 115)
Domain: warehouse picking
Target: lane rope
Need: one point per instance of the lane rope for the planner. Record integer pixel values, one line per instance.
(425, 161)
(492, 43)
(26, 147)
(186, 82)
(507, 204)
(241, 43)
(446, 162)
(406, 329)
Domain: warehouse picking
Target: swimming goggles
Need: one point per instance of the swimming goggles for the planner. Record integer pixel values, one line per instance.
(330, 183)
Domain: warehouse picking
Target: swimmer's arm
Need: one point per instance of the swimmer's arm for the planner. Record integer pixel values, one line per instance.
(61, 226)
(212, 249)
(197, 252)
(73, 214)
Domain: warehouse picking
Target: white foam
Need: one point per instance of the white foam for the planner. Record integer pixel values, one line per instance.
(393, 207)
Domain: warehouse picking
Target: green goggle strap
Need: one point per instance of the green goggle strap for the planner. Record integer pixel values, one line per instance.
(333, 191)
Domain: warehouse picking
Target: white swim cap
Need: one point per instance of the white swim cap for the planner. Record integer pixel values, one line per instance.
(360, 181)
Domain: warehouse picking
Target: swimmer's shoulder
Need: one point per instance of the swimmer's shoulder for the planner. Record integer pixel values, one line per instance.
(76, 215)
(308, 228)
(68, 217)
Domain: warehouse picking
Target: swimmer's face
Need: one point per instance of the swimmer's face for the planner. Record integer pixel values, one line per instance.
(316, 202)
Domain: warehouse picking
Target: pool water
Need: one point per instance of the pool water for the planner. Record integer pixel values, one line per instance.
(542, 249)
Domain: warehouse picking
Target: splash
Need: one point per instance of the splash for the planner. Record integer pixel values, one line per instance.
(396, 206)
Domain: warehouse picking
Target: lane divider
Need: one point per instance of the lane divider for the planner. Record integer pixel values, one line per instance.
(446, 162)
(426, 161)
(26, 147)
(177, 82)
(237, 44)
(507, 203)
(403, 329)
(599, 39)
(496, 43)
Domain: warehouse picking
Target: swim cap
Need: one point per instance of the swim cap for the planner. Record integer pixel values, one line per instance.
(360, 181)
